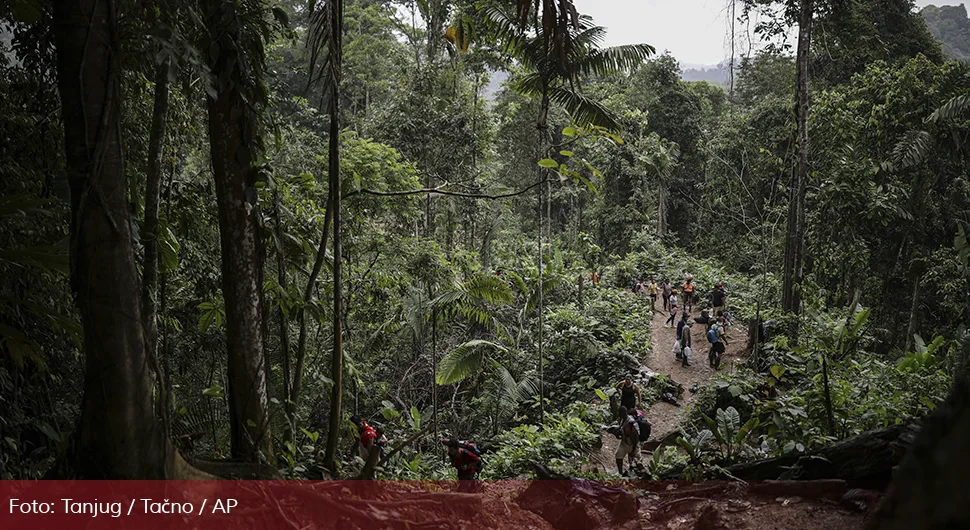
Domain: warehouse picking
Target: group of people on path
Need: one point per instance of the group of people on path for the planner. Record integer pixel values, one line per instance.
(714, 315)
(633, 428)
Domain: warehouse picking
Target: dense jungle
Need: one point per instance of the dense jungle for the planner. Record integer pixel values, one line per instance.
(229, 227)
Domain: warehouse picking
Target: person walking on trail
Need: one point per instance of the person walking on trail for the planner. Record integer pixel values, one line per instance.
(719, 300)
(689, 292)
(665, 294)
(705, 319)
(672, 302)
(630, 397)
(466, 458)
(629, 439)
(686, 343)
(366, 436)
(653, 288)
(678, 346)
(718, 340)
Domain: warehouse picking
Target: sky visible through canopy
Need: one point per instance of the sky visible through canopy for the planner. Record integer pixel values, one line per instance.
(695, 31)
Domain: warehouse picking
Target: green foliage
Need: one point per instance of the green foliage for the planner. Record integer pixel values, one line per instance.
(561, 443)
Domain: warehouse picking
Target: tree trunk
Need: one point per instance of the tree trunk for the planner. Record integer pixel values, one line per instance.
(336, 369)
(794, 245)
(913, 315)
(301, 345)
(150, 240)
(233, 133)
(662, 209)
(281, 314)
(868, 456)
(117, 437)
(152, 192)
(930, 488)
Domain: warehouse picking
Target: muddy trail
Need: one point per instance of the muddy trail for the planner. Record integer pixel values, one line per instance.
(664, 417)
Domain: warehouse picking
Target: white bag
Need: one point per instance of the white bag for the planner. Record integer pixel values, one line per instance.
(688, 352)
(676, 350)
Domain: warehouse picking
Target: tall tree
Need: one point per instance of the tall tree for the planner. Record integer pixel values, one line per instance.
(117, 434)
(153, 178)
(794, 245)
(327, 31)
(234, 44)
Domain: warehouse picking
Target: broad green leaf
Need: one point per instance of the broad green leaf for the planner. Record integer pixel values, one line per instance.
(602, 395)
(778, 371)
(215, 391)
(416, 417)
(549, 163)
(569, 131)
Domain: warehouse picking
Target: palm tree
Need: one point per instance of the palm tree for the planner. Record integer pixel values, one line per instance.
(555, 67)
(557, 47)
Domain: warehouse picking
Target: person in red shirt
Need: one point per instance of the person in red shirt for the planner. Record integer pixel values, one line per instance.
(366, 436)
(465, 460)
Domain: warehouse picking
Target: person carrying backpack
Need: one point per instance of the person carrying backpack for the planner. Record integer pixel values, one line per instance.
(366, 436)
(705, 319)
(629, 440)
(466, 458)
(718, 341)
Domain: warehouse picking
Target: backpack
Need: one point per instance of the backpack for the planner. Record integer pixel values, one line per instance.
(712, 336)
(473, 448)
(644, 428)
(629, 428)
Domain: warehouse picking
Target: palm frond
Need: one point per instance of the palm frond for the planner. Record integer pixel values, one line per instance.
(505, 29)
(911, 149)
(519, 283)
(414, 309)
(613, 60)
(951, 110)
(464, 360)
(506, 392)
(583, 110)
(489, 288)
(320, 39)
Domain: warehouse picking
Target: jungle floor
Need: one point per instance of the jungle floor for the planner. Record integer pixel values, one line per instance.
(664, 417)
(716, 505)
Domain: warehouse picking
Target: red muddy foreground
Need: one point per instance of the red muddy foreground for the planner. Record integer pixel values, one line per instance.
(567, 504)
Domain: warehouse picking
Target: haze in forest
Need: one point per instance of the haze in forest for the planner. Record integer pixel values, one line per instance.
(694, 31)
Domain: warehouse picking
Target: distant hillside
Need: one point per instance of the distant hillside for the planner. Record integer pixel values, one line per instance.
(951, 26)
(717, 75)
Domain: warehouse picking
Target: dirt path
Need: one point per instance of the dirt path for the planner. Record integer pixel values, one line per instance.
(664, 417)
